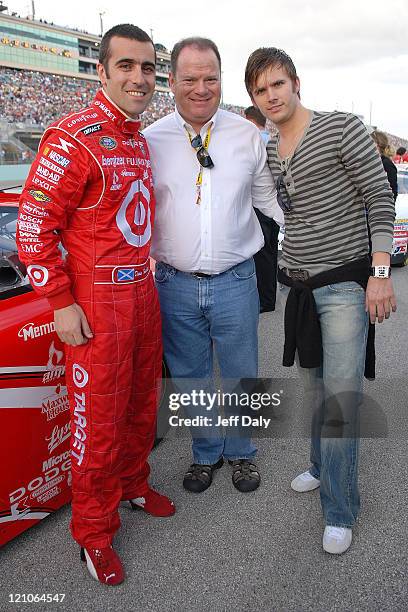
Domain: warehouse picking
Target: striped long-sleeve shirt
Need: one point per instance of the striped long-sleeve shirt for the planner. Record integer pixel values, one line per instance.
(336, 183)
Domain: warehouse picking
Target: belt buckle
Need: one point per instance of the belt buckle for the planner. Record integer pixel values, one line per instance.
(298, 274)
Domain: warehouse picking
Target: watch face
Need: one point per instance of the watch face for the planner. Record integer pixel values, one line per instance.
(381, 271)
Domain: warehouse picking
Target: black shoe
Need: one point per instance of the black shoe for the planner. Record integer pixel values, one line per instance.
(199, 477)
(245, 475)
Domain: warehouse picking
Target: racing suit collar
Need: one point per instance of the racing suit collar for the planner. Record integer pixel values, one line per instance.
(123, 122)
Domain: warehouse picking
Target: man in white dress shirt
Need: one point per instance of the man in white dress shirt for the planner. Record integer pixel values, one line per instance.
(209, 168)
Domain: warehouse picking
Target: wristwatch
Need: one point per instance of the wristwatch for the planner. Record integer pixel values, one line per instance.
(380, 271)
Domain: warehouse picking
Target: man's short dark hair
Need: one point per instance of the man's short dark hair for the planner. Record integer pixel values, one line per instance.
(264, 58)
(194, 41)
(253, 113)
(124, 30)
(401, 151)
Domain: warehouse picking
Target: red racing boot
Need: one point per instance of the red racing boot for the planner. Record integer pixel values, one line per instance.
(103, 565)
(153, 503)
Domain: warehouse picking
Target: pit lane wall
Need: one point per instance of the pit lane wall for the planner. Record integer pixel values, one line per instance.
(34, 415)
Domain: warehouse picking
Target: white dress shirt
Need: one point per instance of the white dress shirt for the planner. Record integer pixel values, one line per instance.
(222, 230)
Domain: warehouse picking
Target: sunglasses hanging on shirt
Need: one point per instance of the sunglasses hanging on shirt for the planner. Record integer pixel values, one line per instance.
(202, 154)
(204, 158)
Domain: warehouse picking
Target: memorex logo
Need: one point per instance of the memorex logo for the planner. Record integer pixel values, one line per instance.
(30, 331)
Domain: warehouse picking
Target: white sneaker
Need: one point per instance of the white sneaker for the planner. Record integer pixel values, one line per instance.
(305, 482)
(336, 540)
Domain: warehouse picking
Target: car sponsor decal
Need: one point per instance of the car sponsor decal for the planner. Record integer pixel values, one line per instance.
(39, 196)
(55, 403)
(30, 331)
(58, 436)
(108, 143)
(140, 218)
(38, 275)
(63, 145)
(91, 129)
(46, 162)
(126, 161)
(43, 184)
(80, 377)
(105, 109)
(81, 119)
(57, 157)
(116, 185)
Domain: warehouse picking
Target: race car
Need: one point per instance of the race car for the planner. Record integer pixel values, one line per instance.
(34, 410)
(400, 243)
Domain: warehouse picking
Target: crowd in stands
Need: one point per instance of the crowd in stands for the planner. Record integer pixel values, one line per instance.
(39, 99)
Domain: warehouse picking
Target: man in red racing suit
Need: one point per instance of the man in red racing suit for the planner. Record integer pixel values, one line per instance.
(91, 188)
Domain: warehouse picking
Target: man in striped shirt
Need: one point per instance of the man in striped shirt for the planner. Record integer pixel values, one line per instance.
(331, 185)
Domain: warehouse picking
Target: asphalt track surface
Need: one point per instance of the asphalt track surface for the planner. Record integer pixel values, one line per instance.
(258, 551)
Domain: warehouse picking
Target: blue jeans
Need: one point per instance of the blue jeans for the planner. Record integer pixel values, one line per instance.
(201, 314)
(333, 391)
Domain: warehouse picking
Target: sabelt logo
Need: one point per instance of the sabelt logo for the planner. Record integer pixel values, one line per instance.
(30, 331)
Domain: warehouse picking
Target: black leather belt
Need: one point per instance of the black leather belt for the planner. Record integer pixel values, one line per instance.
(200, 274)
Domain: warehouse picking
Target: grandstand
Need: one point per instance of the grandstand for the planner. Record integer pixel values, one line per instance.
(31, 100)
(47, 71)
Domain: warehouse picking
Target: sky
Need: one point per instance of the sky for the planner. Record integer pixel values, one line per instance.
(350, 55)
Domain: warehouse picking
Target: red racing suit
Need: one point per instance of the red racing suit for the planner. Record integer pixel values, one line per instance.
(90, 188)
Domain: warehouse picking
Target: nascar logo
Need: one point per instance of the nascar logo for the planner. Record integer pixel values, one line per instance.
(108, 143)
